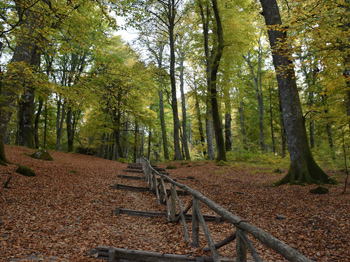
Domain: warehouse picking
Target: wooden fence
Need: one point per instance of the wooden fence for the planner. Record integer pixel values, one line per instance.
(156, 181)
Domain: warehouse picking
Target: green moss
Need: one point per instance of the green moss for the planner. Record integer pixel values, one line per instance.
(121, 160)
(74, 171)
(25, 171)
(221, 163)
(42, 155)
(171, 167)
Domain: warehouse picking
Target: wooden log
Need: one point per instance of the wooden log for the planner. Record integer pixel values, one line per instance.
(265, 238)
(130, 188)
(173, 204)
(222, 243)
(132, 177)
(111, 255)
(138, 213)
(133, 171)
(195, 225)
(250, 246)
(183, 220)
(210, 240)
(184, 212)
(241, 248)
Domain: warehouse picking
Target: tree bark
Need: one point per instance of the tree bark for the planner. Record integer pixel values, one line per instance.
(36, 122)
(303, 167)
(208, 122)
(271, 123)
(45, 126)
(183, 105)
(171, 18)
(228, 133)
(312, 122)
(259, 96)
(162, 123)
(200, 125)
(24, 51)
(242, 122)
(69, 123)
(217, 50)
(60, 116)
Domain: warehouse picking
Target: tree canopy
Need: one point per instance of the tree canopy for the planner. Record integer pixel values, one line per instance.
(203, 80)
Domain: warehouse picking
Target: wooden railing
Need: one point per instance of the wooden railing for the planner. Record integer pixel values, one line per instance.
(157, 181)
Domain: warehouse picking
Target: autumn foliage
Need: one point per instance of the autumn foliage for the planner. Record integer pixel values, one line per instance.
(68, 209)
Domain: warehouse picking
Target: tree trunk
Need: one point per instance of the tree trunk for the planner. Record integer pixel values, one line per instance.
(184, 116)
(200, 125)
(162, 123)
(217, 50)
(70, 129)
(283, 133)
(24, 52)
(36, 122)
(26, 118)
(149, 144)
(59, 122)
(135, 145)
(312, 122)
(259, 97)
(303, 167)
(208, 122)
(242, 122)
(271, 123)
(45, 126)
(228, 120)
(171, 19)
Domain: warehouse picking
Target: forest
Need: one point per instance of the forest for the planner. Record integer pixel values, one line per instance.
(199, 82)
(232, 101)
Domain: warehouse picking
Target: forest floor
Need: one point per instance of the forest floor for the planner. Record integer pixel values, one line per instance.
(68, 208)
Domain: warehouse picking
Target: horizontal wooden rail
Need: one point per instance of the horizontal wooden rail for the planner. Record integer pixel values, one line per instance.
(242, 226)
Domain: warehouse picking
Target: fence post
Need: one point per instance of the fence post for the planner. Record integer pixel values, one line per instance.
(111, 254)
(241, 247)
(195, 223)
(173, 204)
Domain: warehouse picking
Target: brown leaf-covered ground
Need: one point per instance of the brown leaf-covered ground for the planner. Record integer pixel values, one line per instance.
(68, 209)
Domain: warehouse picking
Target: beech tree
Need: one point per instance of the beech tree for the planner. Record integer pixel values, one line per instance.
(303, 167)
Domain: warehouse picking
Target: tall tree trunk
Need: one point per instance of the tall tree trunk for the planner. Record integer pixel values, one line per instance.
(208, 122)
(60, 116)
(242, 122)
(259, 97)
(200, 125)
(171, 19)
(26, 118)
(24, 51)
(271, 123)
(219, 47)
(36, 122)
(228, 121)
(303, 167)
(312, 122)
(135, 143)
(149, 143)
(70, 128)
(162, 123)
(45, 127)
(184, 116)
(283, 133)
